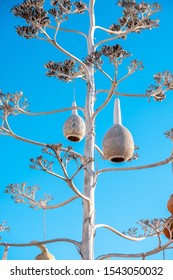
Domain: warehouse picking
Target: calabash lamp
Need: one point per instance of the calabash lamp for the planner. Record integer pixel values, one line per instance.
(44, 255)
(74, 127)
(118, 144)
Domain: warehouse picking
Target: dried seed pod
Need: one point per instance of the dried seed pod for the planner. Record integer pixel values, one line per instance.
(118, 144)
(170, 204)
(74, 127)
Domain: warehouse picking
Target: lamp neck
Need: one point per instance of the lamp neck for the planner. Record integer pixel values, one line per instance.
(117, 112)
(74, 111)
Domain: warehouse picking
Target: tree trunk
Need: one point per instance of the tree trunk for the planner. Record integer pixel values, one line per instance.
(87, 249)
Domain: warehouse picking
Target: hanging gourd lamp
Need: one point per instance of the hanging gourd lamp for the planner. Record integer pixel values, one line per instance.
(45, 254)
(74, 127)
(168, 230)
(170, 204)
(118, 144)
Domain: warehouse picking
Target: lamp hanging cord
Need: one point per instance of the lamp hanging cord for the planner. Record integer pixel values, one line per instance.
(74, 91)
(44, 224)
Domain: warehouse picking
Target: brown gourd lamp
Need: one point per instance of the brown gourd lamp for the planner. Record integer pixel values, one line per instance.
(44, 255)
(170, 204)
(118, 144)
(168, 229)
(74, 127)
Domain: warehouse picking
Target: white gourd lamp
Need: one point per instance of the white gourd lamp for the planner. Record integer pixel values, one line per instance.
(118, 144)
(74, 127)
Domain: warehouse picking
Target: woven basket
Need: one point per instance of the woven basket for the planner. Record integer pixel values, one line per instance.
(118, 144)
(74, 127)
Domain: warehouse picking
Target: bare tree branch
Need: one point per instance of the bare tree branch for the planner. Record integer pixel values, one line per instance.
(121, 234)
(70, 183)
(104, 73)
(100, 151)
(45, 165)
(152, 94)
(54, 43)
(60, 204)
(134, 65)
(76, 243)
(84, 163)
(125, 94)
(69, 30)
(56, 29)
(111, 92)
(49, 112)
(27, 195)
(156, 164)
(11, 133)
(8, 132)
(138, 255)
(131, 22)
(5, 254)
(118, 35)
(40, 38)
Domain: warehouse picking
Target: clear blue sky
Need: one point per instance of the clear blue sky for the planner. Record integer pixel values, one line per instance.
(122, 198)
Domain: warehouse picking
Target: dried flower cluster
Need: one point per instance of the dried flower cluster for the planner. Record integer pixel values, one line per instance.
(3, 227)
(64, 7)
(135, 155)
(37, 17)
(169, 134)
(164, 83)
(94, 58)
(135, 17)
(34, 14)
(115, 53)
(135, 65)
(62, 70)
(64, 156)
(81, 7)
(149, 227)
(41, 163)
(27, 31)
(9, 103)
(27, 195)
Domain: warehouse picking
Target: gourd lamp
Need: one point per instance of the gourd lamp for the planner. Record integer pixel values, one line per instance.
(74, 127)
(118, 144)
(170, 204)
(168, 231)
(45, 255)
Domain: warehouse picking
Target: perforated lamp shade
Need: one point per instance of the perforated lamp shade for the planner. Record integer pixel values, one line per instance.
(118, 144)
(74, 127)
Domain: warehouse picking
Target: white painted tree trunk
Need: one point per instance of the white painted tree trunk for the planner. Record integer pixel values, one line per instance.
(87, 249)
